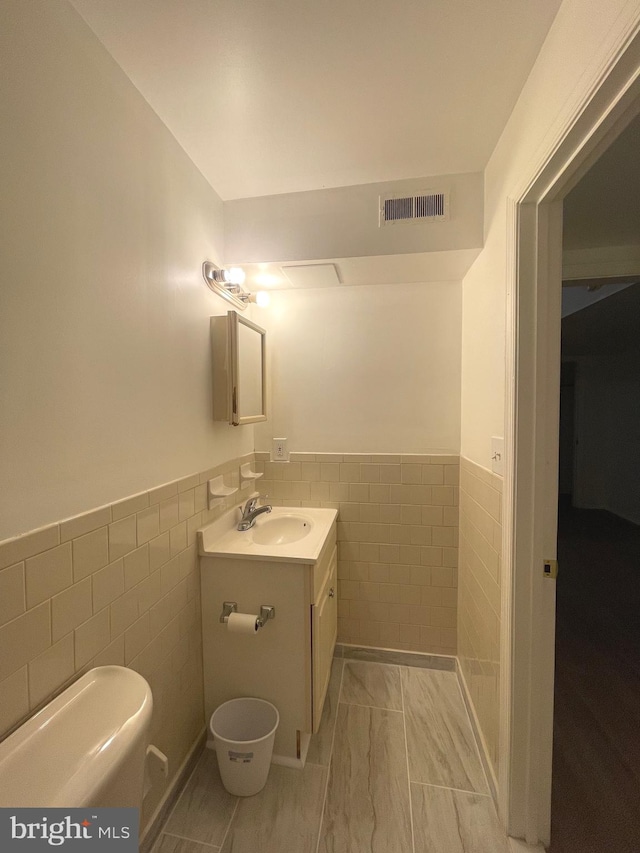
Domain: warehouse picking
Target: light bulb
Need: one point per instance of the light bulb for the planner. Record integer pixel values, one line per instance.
(260, 298)
(236, 275)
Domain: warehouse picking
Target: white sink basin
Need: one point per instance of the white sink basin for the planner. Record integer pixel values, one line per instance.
(280, 530)
(283, 535)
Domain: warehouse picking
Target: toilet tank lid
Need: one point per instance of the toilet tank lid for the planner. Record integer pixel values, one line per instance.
(77, 742)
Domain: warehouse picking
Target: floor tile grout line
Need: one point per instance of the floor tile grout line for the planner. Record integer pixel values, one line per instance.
(235, 809)
(192, 840)
(333, 739)
(479, 752)
(446, 788)
(406, 752)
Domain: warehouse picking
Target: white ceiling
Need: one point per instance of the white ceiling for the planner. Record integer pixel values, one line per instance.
(274, 96)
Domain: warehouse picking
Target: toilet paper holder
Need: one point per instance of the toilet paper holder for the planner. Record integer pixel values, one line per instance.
(267, 611)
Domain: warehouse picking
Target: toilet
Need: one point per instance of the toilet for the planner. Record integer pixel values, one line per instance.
(87, 747)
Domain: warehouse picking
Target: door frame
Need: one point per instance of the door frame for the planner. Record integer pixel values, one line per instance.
(534, 275)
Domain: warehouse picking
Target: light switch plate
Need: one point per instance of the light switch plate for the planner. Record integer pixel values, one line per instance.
(497, 455)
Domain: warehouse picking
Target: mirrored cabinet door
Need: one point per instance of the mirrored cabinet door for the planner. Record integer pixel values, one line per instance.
(238, 349)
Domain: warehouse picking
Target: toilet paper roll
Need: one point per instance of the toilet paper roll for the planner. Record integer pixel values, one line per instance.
(242, 623)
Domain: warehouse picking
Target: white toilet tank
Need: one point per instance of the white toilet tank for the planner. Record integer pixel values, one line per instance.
(85, 748)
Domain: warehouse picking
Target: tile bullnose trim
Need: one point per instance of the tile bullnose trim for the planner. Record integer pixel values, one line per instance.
(84, 522)
(485, 474)
(15, 549)
(439, 456)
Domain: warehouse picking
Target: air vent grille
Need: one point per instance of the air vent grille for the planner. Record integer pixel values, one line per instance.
(430, 206)
(398, 208)
(425, 206)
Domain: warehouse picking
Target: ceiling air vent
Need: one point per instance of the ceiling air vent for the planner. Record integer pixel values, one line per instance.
(425, 206)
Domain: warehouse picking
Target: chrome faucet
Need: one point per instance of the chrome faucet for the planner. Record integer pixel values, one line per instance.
(250, 512)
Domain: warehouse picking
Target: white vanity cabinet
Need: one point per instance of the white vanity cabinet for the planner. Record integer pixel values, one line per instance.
(324, 629)
(288, 661)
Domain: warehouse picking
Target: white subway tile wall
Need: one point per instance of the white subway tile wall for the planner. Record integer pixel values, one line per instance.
(397, 541)
(479, 596)
(116, 585)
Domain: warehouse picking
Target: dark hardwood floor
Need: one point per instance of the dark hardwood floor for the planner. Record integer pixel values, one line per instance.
(596, 764)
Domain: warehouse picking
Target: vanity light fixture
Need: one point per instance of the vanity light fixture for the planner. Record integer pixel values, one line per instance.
(235, 275)
(228, 284)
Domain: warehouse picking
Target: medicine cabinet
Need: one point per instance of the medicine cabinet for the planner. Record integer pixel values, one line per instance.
(238, 349)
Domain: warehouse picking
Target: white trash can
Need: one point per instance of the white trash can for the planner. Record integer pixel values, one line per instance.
(244, 731)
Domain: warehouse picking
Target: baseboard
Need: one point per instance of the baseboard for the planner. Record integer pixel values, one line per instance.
(375, 654)
(477, 731)
(157, 821)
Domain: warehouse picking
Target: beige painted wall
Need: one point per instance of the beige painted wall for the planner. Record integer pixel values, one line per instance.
(104, 379)
(104, 317)
(365, 369)
(568, 61)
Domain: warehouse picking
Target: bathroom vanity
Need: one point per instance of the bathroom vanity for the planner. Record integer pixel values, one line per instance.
(287, 561)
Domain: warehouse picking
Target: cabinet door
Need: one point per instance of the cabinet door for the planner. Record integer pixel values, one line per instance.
(324, 632)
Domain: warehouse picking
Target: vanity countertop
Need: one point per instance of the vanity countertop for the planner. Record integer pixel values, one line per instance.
(286, 534)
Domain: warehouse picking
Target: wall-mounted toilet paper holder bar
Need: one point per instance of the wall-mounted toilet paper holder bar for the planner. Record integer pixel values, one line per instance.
(228, 607)
(267, 611)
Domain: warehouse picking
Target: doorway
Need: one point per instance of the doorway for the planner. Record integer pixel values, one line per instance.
(595, 802)
(531, 442)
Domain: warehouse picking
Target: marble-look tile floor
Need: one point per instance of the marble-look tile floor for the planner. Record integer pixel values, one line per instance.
(394, 768)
